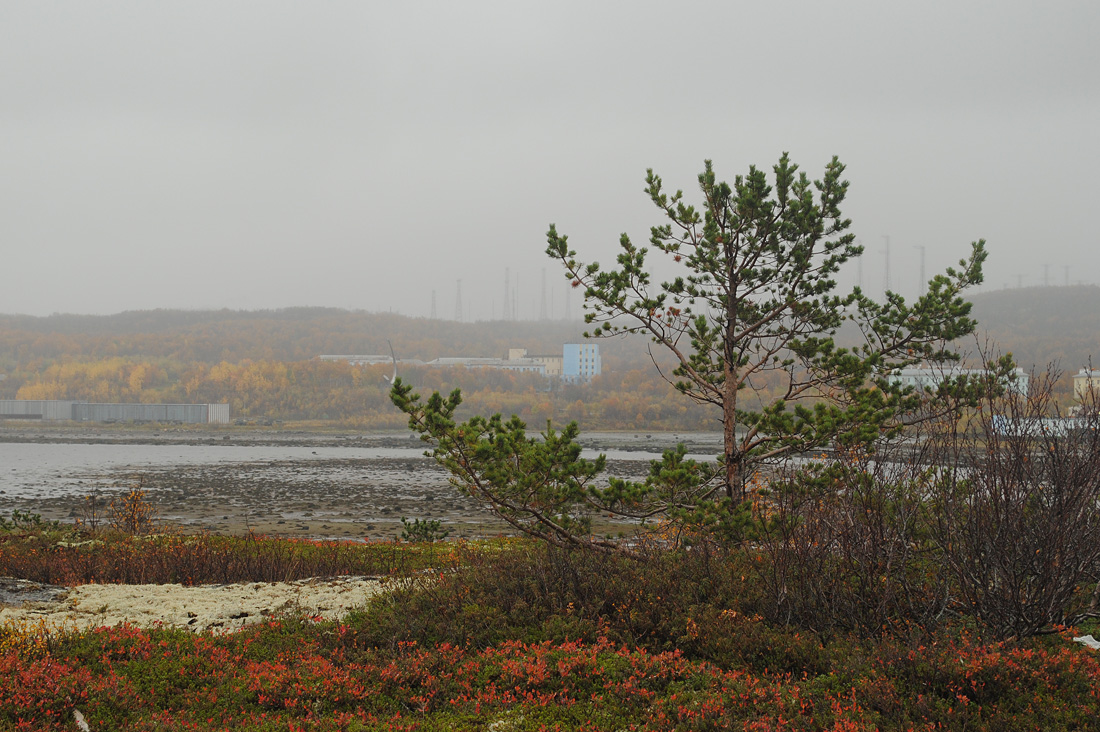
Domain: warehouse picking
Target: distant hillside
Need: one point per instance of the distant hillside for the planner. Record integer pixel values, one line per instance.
(292, 334)
(1037, 324)
(1040, 325)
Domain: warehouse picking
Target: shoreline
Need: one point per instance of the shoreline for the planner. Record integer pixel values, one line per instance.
(38, 432)
(292, 483)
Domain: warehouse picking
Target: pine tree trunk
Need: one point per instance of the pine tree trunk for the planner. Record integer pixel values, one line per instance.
(734, 489)
(731, 450)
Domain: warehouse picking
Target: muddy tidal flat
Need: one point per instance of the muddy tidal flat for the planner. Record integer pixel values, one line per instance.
(277, 482)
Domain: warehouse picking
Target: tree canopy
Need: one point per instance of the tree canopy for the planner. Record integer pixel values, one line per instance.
(757, 295)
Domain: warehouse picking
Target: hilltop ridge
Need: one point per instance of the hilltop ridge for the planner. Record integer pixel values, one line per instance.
(1042, 325)
(1038, 325)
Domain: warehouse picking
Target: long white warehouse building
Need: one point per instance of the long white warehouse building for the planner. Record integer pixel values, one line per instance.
(51, 409)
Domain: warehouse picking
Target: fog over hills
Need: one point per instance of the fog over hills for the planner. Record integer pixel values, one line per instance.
(290, 334)
(1038, 325)
(1042, 325)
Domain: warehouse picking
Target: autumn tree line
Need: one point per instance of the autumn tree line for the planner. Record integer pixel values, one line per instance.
(265, 365)
(358, 395)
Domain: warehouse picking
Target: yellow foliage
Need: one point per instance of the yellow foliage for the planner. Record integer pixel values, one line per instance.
(132, 513)
(30, 638)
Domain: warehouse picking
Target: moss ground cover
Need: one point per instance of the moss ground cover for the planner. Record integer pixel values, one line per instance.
(522, 637)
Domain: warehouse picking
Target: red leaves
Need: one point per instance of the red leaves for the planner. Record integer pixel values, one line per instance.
(239, 681)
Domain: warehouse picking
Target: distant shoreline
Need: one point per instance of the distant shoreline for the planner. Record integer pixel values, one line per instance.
(15, 431)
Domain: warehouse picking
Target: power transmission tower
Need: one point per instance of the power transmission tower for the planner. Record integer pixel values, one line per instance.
(542, 307)
(922, 283)
(505, 314)
(859, 269)
(433, 316)
(886, 276)
(458, 302)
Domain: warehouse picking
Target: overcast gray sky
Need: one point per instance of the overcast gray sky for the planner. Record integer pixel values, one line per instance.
(367, 154)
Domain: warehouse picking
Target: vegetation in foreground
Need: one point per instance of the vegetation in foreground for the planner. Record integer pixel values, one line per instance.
(526, 636)
(64, 554)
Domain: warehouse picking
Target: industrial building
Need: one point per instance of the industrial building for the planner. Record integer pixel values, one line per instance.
(51, 410)
(58, 410)
(929, 379)
(521, 365)
(578, 362)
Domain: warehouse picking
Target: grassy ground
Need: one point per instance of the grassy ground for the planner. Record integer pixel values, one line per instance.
(510, 636)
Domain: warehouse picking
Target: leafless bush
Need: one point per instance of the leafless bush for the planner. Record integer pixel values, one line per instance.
(843, 544)
(91, 512)
(1014, 509)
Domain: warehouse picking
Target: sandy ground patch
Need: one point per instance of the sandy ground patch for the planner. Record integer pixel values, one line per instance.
(221, 608)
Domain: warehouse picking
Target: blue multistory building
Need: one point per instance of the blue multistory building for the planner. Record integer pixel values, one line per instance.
(580, 361)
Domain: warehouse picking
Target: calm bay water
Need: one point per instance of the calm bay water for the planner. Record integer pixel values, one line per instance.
(47, 470)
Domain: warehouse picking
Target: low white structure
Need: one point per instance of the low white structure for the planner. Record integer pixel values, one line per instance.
(578, 362)
(929, 379)
(523, 365)
(1007, 426)
(359, 360)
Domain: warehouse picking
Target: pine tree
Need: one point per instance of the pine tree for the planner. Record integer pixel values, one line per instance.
(756, 297)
